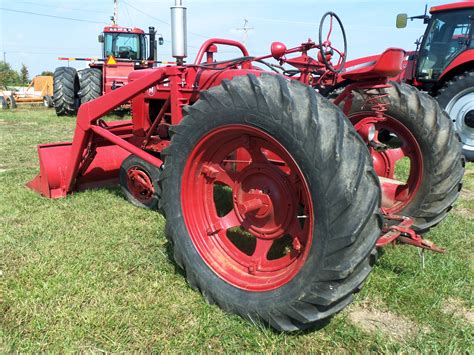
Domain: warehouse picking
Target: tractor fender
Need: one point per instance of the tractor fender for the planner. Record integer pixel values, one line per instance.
(460, 64)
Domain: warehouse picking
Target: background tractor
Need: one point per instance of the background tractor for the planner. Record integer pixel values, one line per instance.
(123, 51)
(275, 197)
(443, 64)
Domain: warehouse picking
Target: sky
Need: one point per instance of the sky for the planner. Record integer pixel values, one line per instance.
(38, 41)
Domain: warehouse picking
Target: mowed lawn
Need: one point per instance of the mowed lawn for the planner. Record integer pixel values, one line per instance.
(91, 272)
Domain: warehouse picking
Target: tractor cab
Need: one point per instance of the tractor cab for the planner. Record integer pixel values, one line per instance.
(448, 34)
(124, 43)
(129, 44)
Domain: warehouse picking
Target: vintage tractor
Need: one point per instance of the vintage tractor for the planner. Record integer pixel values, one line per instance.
(124, 50)
(275, 198)
(443, 65)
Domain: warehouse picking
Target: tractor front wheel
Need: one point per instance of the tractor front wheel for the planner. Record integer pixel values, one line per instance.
(140, 182)
(419, 162)
(271, 201)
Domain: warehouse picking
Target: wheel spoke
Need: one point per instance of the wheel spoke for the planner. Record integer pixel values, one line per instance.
(395, 154)
(259, 256)
(226, 177)
(230, 220)
(256, 153)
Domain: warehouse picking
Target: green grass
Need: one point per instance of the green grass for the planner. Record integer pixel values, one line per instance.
(93, 273)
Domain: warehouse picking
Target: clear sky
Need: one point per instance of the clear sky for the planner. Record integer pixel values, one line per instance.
(37, 41)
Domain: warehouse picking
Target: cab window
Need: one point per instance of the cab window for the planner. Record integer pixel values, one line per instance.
(123, 45)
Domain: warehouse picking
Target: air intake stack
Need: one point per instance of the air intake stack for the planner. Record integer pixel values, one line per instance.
(179, 31)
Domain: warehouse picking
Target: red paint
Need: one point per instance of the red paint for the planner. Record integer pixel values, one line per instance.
(396, 194)
(452, 6)
(462, 59)
(265, 205)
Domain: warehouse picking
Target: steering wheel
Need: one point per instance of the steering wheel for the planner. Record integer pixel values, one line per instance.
(326, 47)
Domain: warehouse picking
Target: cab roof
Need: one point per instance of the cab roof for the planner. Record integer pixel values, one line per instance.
(120, 29)
(452, 6)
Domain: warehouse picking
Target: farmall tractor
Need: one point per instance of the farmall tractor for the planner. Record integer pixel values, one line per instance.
(124, 50)
(443, 65)
(275, 197)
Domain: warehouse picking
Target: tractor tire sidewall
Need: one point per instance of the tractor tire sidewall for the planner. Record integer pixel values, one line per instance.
(452, 88)
(275, 306)
(443, 166)
(91, 84)
(151, 170)
(66, 91)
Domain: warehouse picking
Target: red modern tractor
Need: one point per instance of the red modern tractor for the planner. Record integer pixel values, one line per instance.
(124, 50)
(443, 65)
(275, 197)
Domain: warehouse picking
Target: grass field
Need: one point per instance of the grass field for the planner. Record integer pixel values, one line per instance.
(92, 273)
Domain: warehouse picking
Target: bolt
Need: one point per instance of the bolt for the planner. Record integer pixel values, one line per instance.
(209, 172)
(252, 269)
(297, 244)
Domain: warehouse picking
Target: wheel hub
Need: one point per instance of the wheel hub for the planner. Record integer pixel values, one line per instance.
(263, 201)
(140, 184)
(469, 119)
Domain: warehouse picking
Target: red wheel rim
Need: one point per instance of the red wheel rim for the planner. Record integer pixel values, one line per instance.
(247, 208)
(400, 180)
(140, 185)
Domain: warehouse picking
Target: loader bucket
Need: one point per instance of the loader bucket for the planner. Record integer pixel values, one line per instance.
(94, 157)
(54, 158)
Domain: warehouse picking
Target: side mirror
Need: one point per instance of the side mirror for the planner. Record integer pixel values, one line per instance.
(402, 20)
(101, 38)
(161, 40)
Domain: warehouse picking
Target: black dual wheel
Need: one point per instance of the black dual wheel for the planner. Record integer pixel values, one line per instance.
(295, 171)
(66, 91)
(91, 84)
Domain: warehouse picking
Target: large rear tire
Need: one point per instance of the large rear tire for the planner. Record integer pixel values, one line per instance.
(457, 98)
(271, 201)
(91, 84)
(66, 91)
(423, 148)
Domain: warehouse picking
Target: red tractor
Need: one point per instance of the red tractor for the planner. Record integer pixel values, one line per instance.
(275, 197)
(443, 65)
(124, 50)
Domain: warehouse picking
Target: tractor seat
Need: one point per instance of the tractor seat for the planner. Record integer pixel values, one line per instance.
(387, 65)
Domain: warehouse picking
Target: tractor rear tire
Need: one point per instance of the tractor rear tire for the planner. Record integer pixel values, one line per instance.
(333, 175)
(457, 98)
(91, 84)
(140, 182)
(439, 147)
(66, 91)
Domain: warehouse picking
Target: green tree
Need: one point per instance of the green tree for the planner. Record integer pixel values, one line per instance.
(47, 73)
(24, 74)
(8, 76)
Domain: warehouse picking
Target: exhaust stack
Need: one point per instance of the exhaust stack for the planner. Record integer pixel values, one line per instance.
(179, 31)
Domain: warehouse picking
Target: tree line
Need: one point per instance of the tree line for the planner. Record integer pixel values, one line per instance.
(11, 77)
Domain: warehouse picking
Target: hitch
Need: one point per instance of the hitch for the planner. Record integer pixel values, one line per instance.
(403, 233)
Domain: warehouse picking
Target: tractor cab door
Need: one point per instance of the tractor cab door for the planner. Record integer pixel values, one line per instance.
(125, 46)
(448, 34)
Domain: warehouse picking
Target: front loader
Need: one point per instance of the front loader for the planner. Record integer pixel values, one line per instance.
(275, 196)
